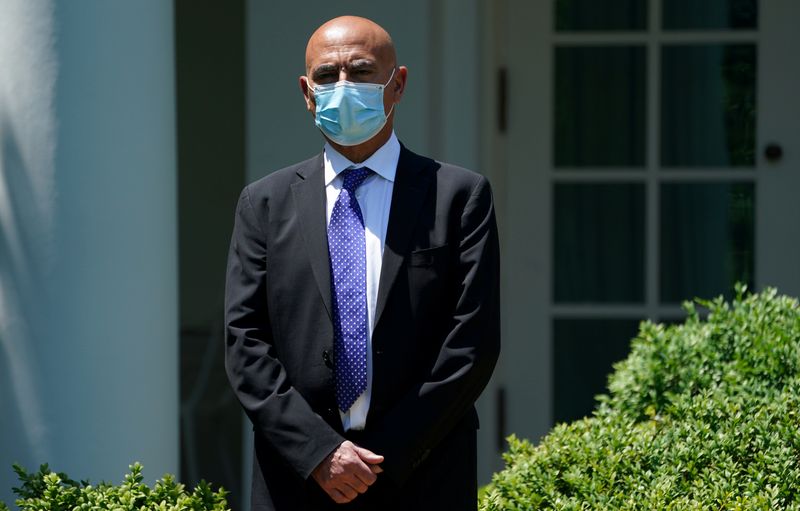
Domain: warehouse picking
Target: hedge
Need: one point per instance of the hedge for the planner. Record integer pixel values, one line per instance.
(701, 415)
(47, 490)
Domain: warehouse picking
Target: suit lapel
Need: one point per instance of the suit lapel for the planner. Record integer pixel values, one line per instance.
(309, 198)
(410, 187)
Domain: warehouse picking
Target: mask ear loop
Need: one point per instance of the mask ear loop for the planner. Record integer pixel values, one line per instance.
(390, 77)
(385, 85)
(310, 92)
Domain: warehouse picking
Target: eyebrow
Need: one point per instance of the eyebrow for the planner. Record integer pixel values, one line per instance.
(323, 70)
(361, 64)
(356, 65)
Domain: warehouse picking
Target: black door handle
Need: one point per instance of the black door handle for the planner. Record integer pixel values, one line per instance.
(773, 153)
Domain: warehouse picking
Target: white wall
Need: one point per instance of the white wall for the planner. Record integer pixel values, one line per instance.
(88, 247)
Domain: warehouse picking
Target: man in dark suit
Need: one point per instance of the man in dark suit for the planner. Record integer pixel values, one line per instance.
(362, 302)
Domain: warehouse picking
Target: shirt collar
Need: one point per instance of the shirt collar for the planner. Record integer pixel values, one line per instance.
(383, 161)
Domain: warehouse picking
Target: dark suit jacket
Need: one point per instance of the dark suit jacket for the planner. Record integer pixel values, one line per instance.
(435, 341)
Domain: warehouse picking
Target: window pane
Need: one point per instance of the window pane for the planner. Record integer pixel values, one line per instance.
(598, 243)
(701, 14)
(599, 106)
(708, 105)
(601, 14)
(707, 239)
(584, 351)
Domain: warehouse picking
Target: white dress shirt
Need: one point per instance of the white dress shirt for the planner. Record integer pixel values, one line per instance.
(374, 197)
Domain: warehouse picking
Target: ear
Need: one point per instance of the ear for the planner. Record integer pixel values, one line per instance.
(307, 94)
(399, 83)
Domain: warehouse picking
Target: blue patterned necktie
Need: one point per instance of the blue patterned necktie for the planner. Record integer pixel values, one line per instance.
(348, 255)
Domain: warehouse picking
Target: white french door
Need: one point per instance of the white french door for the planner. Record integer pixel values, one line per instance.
(652, 154)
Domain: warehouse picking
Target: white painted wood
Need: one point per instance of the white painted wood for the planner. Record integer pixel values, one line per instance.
(778, 219)
(527, 266)
(644, 37)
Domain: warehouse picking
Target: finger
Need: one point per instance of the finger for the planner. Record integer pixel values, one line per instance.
(347, 491)
(363, 473)
(354, 482)
(367, 455)
(357, 486)
(338, 496)
(376, 469)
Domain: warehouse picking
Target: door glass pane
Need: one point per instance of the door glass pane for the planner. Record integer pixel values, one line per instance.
(703, 14)
(601, 14)
(584, 351)
(598, 242)
(708, 105)
(600, 106)
(707, 239)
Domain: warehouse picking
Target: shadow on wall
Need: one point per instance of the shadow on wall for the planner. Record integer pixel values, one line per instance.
(27, 202)
(23, 256)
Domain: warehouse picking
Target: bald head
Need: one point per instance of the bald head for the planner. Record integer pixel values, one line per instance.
(356, 50)
(350, 33)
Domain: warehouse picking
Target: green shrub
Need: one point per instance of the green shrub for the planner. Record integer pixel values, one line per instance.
(47, 490)
(701, 415)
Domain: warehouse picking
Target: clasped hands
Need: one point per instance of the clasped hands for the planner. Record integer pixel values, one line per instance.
(347, 472)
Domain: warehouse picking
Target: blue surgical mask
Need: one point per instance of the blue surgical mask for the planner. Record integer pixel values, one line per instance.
(350, 113)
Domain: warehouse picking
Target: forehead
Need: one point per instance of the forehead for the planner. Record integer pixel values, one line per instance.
(338, 45)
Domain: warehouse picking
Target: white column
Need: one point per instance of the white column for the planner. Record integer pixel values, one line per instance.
(88, 241)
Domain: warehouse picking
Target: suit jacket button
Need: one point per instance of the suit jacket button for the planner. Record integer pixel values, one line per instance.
(326, 358)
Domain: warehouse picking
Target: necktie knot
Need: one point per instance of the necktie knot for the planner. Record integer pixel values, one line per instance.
(353, 177)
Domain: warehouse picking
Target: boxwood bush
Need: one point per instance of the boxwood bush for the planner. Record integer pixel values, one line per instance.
(701, 415)
(46, 490)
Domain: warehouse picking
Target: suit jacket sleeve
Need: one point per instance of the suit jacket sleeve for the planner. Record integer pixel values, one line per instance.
(277, 410)
(467, 356)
